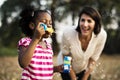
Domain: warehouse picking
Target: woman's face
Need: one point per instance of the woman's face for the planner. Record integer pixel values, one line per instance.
(87, 25)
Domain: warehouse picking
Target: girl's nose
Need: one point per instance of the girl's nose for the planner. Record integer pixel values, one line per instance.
(48, 24)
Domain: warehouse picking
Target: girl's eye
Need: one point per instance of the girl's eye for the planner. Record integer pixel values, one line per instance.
(43, 21)
(50, 22)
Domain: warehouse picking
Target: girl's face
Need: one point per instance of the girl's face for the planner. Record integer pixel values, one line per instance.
(46, 19)
(87, 25)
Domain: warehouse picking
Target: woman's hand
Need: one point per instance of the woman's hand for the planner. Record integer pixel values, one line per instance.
(86, 75)
(90, 68)
(72, 74)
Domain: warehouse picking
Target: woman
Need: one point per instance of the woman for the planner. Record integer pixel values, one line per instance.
(84, 44)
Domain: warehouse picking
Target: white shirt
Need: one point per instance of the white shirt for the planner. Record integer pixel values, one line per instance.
(80, 58)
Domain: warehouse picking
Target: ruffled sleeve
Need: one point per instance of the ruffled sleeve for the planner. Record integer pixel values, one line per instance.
(24, 42)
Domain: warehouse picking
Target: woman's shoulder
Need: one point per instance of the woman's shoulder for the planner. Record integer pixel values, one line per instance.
(103, 32)
(102, 35)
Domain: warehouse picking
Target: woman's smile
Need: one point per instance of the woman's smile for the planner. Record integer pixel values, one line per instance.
(86, 24)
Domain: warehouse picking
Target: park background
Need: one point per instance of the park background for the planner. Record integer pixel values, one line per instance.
(64, 15)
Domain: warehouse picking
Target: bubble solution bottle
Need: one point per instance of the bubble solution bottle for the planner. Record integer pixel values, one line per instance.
(50, 30)
(67, 64)
(44, 26)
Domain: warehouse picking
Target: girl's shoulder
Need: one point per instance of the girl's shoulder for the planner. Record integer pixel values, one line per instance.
(24, 41)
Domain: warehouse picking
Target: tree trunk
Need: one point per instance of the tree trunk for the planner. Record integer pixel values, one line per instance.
(55, 45)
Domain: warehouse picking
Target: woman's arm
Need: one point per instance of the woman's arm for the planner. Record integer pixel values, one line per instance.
(102, 36)
(89, 69)
(72, 74)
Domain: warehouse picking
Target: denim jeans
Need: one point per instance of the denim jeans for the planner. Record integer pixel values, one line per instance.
(66, 76)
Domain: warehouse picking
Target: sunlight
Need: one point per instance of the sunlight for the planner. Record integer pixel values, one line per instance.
(1, 2)
(43, 2)
(0, 24)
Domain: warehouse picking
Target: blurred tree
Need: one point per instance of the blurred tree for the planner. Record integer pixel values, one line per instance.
(55, 44)
(10, 32)
(109, 9)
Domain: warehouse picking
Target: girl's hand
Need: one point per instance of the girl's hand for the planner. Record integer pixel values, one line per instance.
(39, 31)
(58, 68)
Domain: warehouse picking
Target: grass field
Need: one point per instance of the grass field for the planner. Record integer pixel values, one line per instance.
(108, 68)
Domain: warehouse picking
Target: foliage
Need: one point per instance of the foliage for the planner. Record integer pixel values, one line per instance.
(6, 51)
(10, 32)
(112, 44)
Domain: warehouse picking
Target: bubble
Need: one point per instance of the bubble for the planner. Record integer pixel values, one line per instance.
(68, 38)
(54, 32)
(70, 47)
(103, 76)
(102, 70)
(93, 72)
(115, 76)
(64, 46)
(99, 63)
(56, 75)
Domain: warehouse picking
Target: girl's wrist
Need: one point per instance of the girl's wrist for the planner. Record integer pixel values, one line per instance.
(56, 69)
(36, 40)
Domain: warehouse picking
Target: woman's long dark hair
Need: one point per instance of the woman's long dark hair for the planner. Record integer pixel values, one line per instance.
(94, 14)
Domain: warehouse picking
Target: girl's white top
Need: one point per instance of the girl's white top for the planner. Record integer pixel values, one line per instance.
(71, 43)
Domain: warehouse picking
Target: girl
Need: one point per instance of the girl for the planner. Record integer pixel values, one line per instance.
(35, 53)
(84, 44)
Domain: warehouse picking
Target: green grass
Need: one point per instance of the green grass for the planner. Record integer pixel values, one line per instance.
(5, 51)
